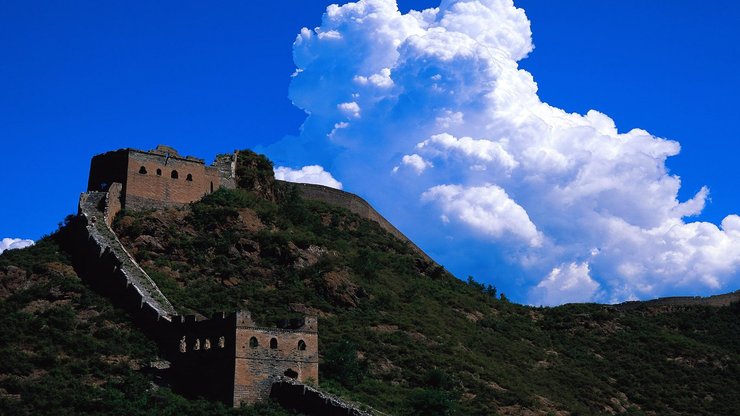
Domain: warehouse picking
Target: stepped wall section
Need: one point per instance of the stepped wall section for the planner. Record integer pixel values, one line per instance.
(309, 400)
(108, 263)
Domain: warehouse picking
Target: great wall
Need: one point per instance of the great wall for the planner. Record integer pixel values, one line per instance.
(228, 357)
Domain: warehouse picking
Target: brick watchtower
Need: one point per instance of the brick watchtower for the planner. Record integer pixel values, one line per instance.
(231, 358)
(160, 177)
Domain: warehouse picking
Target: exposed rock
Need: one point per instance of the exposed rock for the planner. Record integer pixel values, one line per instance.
(342, 289)
(149, 242)
(308, 311)
(60, 269)
(250, 220)
(309, 256)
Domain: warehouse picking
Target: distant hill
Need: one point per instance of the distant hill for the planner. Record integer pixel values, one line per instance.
(396, 331)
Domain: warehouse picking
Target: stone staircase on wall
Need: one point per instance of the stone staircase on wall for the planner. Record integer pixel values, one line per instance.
(107, 254)
(312, 401)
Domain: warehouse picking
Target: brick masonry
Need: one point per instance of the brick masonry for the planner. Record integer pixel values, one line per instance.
(237, 361)
(160, 177)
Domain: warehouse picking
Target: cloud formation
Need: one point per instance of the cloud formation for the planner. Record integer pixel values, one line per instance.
(308, 174)
(430, 110)
(14, 243)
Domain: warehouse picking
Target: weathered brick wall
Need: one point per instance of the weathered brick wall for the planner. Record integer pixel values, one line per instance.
(151, 180)
(113, 202)
(226, 166)
(160, 177)
(276, 353)
(214, 357)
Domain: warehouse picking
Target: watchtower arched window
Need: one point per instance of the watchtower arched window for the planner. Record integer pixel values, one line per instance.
(189, 177)
(159, 172)
(174, 174)
(273, 343)
(301, 345)
(253, 343)
(211, 187)
(142, 170)
(291, 373)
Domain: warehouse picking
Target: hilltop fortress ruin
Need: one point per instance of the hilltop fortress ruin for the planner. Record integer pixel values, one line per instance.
(228, 357)
(160, 177)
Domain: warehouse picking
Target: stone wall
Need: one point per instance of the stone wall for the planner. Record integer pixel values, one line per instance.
(716, 301)
(113, 203)
(232, 359)
(155, 180)
(226, 166)
(202, 356)
(104, 261)
(265, 354)
(106, 169)
(354, 204)
(160, 177)
(309, 400)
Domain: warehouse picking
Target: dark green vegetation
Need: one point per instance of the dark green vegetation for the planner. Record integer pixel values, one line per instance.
(65, 350)
(396, 333)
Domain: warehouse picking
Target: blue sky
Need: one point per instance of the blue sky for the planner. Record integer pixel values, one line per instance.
(80, 78)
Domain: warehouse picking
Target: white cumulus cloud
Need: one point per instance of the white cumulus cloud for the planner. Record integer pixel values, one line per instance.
(568, 203)
(487, 209)
(308, 174)
(14, 243)
(483, 151)
(416, 162)
(567, 283)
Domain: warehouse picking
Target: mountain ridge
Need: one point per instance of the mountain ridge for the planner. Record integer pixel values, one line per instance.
(397, 332)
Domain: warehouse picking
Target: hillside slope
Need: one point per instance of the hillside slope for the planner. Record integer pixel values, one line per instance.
(397, 332)
(67, 350)
(408, 336)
